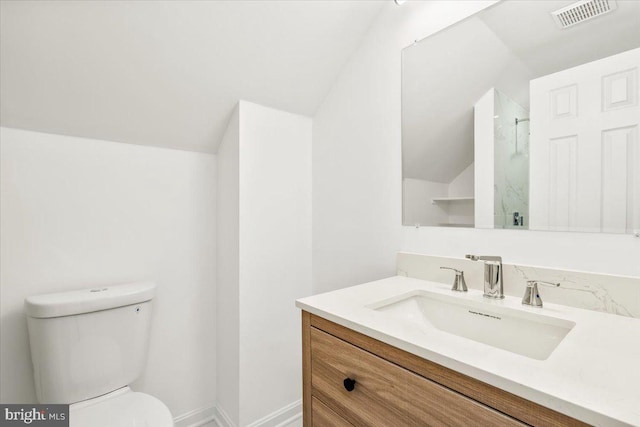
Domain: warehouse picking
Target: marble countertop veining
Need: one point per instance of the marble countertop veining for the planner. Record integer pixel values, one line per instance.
(593, 375)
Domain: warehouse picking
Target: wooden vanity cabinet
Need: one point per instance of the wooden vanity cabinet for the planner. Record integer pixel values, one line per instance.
(350, 379)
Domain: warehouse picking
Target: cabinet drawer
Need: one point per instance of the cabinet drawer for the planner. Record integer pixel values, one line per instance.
(386, 394)
(325, 417)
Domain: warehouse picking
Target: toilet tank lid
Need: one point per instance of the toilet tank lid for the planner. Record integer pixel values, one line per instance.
(88, 300)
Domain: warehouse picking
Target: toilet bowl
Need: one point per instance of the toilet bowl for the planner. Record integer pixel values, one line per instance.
(87, 346)
(121, 408)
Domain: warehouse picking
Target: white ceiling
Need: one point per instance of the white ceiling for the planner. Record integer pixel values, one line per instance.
(504, 46)
(168, 73)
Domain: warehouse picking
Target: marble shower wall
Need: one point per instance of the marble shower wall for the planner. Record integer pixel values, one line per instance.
(511, 162)
(599, 292)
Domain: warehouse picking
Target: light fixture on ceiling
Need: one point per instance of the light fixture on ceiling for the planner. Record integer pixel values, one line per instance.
(400, 2)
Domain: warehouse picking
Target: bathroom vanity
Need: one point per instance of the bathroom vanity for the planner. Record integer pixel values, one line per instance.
(404, 351)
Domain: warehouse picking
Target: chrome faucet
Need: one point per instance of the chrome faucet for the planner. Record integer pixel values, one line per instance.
(531, 294)
(493, 284)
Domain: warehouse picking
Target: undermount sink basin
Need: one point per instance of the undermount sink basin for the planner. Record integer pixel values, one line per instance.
(528, 334)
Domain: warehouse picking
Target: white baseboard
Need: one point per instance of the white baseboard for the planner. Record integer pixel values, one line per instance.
(222, 419)
(280, 418)
(197, 417)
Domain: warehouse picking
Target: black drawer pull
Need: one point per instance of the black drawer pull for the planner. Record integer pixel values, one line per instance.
(349, 384)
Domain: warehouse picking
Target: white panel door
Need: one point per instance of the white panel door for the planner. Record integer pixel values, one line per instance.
(584, 153)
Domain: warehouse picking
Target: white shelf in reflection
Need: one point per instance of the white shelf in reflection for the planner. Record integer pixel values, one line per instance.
(451, 199)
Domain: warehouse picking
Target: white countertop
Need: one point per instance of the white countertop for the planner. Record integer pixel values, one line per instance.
(593, 375)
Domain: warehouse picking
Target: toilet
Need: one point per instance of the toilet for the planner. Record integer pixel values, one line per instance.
(87, 346)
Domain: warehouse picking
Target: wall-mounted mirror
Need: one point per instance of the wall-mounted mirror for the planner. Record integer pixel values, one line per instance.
(526, 116)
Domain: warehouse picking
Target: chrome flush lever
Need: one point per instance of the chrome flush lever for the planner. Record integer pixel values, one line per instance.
(459, 285)
(531, 294)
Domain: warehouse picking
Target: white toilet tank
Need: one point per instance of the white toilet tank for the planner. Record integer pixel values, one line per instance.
(90, 342)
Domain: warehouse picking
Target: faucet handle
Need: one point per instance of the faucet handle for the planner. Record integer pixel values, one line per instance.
(542, 282)
(484, 258)
(459, 285)
(531, 294)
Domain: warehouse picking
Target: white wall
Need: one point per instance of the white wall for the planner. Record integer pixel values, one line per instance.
(77, 213)
(275, 256)
(417, 206)
(228, 226)
(483, 133)
(268, 161)
(357, 173)
(463, 184)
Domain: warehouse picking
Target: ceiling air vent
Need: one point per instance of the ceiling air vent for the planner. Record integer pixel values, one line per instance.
(581, 11)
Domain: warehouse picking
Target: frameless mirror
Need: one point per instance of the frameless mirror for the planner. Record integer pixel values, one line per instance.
(525, 116)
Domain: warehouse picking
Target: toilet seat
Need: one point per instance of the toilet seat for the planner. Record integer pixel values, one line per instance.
(120, 408)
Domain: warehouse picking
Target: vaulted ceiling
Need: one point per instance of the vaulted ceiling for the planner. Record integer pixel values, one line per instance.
(168, 73)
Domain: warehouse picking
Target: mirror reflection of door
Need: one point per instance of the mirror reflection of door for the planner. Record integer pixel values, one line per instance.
(585, 164)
